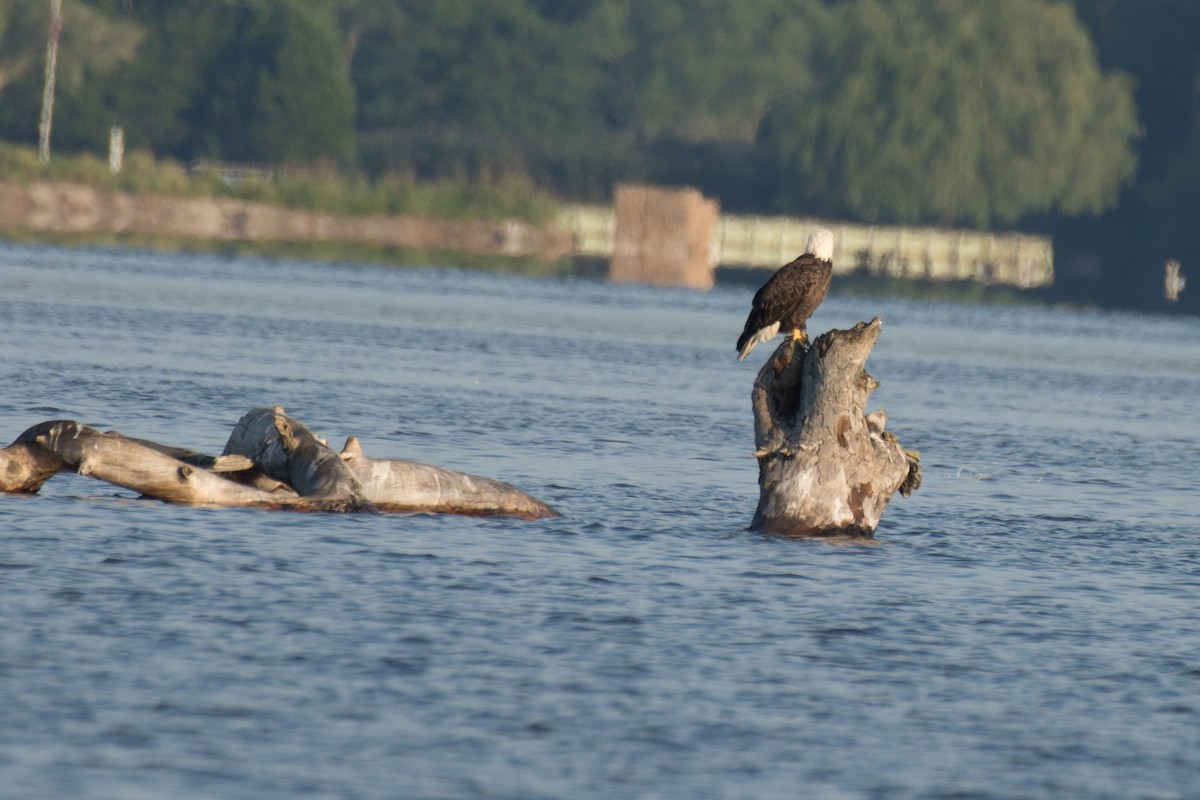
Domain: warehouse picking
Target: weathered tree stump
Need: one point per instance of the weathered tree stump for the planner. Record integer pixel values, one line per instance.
(271, 461)
(825, 467)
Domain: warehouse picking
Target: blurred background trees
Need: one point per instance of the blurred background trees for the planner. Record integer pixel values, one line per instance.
(957, 112)
(1077, 119)
(1158, 215)
(95, 44)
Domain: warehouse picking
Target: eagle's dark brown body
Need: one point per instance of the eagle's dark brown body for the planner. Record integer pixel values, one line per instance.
(786, 301)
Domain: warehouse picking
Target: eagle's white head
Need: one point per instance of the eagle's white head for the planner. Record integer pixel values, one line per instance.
(820, 244)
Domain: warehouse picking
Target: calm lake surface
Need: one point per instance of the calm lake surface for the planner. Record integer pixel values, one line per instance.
(1028, 629)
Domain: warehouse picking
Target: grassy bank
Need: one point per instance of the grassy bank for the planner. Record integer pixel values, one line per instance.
(332, 252)
(330, 192)
(321, 190)
(313, 189)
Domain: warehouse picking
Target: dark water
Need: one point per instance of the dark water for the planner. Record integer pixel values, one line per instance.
(1029, 629)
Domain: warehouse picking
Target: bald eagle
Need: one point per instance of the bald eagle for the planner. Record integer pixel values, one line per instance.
(788, 299)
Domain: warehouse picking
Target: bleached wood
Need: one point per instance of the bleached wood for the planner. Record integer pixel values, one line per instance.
(289, 452)
(396, 485)
(26, 464)
(125, 462)
(272, 461)
(825, 466)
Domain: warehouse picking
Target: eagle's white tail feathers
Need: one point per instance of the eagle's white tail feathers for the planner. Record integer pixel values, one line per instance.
(764, 335)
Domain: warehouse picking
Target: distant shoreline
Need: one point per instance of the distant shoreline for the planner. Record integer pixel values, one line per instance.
(75, 212)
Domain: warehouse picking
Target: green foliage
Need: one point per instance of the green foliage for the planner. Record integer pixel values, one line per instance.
(315, 189)
(22, 37)
(159, 96)
(19, 164)
(141, 172)
(954, 110)
(488, 65)
(693, 70)
(1157, 44)
(707, 70)
(278, 94)
(259, 82)
(907, 110)
(91, 41)
(92, 46)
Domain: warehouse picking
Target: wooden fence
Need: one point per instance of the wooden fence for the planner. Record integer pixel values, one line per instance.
(936, 254)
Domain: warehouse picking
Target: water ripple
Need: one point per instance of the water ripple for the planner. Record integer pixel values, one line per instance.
(1025, 630)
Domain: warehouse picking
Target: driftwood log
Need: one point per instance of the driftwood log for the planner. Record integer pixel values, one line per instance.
(270, 461)
(825, 467)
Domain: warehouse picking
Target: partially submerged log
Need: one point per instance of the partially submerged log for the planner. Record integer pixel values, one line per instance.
(271, 461)
(126, 462)
(406, 486)
(27, 463)
(290, 453)
(826, 468)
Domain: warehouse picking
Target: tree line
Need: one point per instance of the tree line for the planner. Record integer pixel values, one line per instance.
(1074, 118)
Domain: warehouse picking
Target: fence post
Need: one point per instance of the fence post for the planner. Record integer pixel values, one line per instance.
(116, 148)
